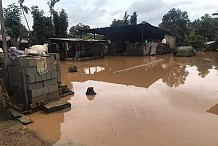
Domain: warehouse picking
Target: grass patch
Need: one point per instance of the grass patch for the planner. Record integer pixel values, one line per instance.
(73, 69)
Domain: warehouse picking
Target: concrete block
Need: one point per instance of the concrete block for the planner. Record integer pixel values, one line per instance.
(44, 77)
(55, 88)
(45, 90)
(48, 75)
(30, 78)
(58, 67)
(27, 62)
(33, 86)
(53, 74)
(50, 82)
(43, 98)
(58, 73)
(32, 93)
(38, 77)
(30, 71)
(40, 92)
(50, 89)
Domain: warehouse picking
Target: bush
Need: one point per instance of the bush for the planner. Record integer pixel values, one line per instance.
(72, 69)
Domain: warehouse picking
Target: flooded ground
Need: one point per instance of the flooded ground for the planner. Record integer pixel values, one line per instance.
(140, 101)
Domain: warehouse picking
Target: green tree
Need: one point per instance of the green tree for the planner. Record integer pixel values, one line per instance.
(133, 18)
(42, 26)
(116, 23)
(14, 28)
(196, 41)
(60, 23)
(176, 22)
(126, 19)
(75, 33)
(206, 27)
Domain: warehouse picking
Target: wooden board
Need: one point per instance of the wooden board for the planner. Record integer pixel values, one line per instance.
(15, 114)
(24, 120)
(55, 106)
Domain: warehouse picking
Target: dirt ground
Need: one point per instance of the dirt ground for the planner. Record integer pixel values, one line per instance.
(15, 134)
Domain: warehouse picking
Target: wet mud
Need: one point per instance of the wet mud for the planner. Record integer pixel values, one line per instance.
(141, 101)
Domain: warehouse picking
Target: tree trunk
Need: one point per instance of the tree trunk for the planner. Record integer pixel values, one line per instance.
(26, 21)
(4, 41)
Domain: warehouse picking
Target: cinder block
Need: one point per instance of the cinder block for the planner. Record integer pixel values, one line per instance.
(44, 77)
(53, 74)
(27, 62)
(30, 78)
(38, 78)
(50, 82)
(50, 89)
(32, 93)
(33, 86)
(40, 91)
(58, 73)
(55, 88)
(48, 75)
(45, 90)
(30, 71)
(58, 67)
(43, 98)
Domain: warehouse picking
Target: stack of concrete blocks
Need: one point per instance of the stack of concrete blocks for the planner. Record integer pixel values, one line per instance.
(39, 88)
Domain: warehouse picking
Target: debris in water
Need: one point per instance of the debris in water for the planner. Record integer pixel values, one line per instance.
(90, 91)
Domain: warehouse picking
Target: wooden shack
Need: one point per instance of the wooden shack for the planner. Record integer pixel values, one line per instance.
(67, 47)
(133, 40)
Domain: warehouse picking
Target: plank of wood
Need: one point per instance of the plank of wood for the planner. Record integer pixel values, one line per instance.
(24, 120)
(56, 105)
(15, 114)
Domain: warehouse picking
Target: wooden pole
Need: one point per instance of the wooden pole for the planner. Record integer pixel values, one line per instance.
(4, 41)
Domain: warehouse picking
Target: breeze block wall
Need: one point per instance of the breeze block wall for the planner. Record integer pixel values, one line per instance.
(39, 88)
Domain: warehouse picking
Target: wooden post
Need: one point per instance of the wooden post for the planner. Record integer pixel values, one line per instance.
(4, 41)
(142, 34)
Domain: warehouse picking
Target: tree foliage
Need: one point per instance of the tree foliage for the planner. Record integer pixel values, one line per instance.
(196, 41)
(75, 33)
(176, 22)
(127, 20)
(133, 18)
(14, 28)
(42, 26)
(60, 23)
(206, 26)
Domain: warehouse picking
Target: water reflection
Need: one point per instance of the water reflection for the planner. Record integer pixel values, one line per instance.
(90, 97)
(172, 71)
(92, 70)
(176, 76)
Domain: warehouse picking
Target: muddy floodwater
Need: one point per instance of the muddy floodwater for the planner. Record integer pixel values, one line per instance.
(140, 101)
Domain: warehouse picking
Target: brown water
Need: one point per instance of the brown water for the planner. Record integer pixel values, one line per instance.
(169, 102)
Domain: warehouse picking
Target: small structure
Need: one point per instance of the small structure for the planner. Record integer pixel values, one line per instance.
(29, 84)
(141, 39)
(68, 47)
(185, 51)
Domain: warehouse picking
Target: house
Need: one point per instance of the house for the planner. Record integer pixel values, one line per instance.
(134, 39)
(67, 47)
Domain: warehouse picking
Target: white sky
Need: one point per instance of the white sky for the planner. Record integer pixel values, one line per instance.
(100, 13)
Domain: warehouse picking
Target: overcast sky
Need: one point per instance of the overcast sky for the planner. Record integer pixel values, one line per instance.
(100, 13)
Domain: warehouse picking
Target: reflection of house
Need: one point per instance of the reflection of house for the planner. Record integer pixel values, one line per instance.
(143, 76)
(67, 47)
(132, 39)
